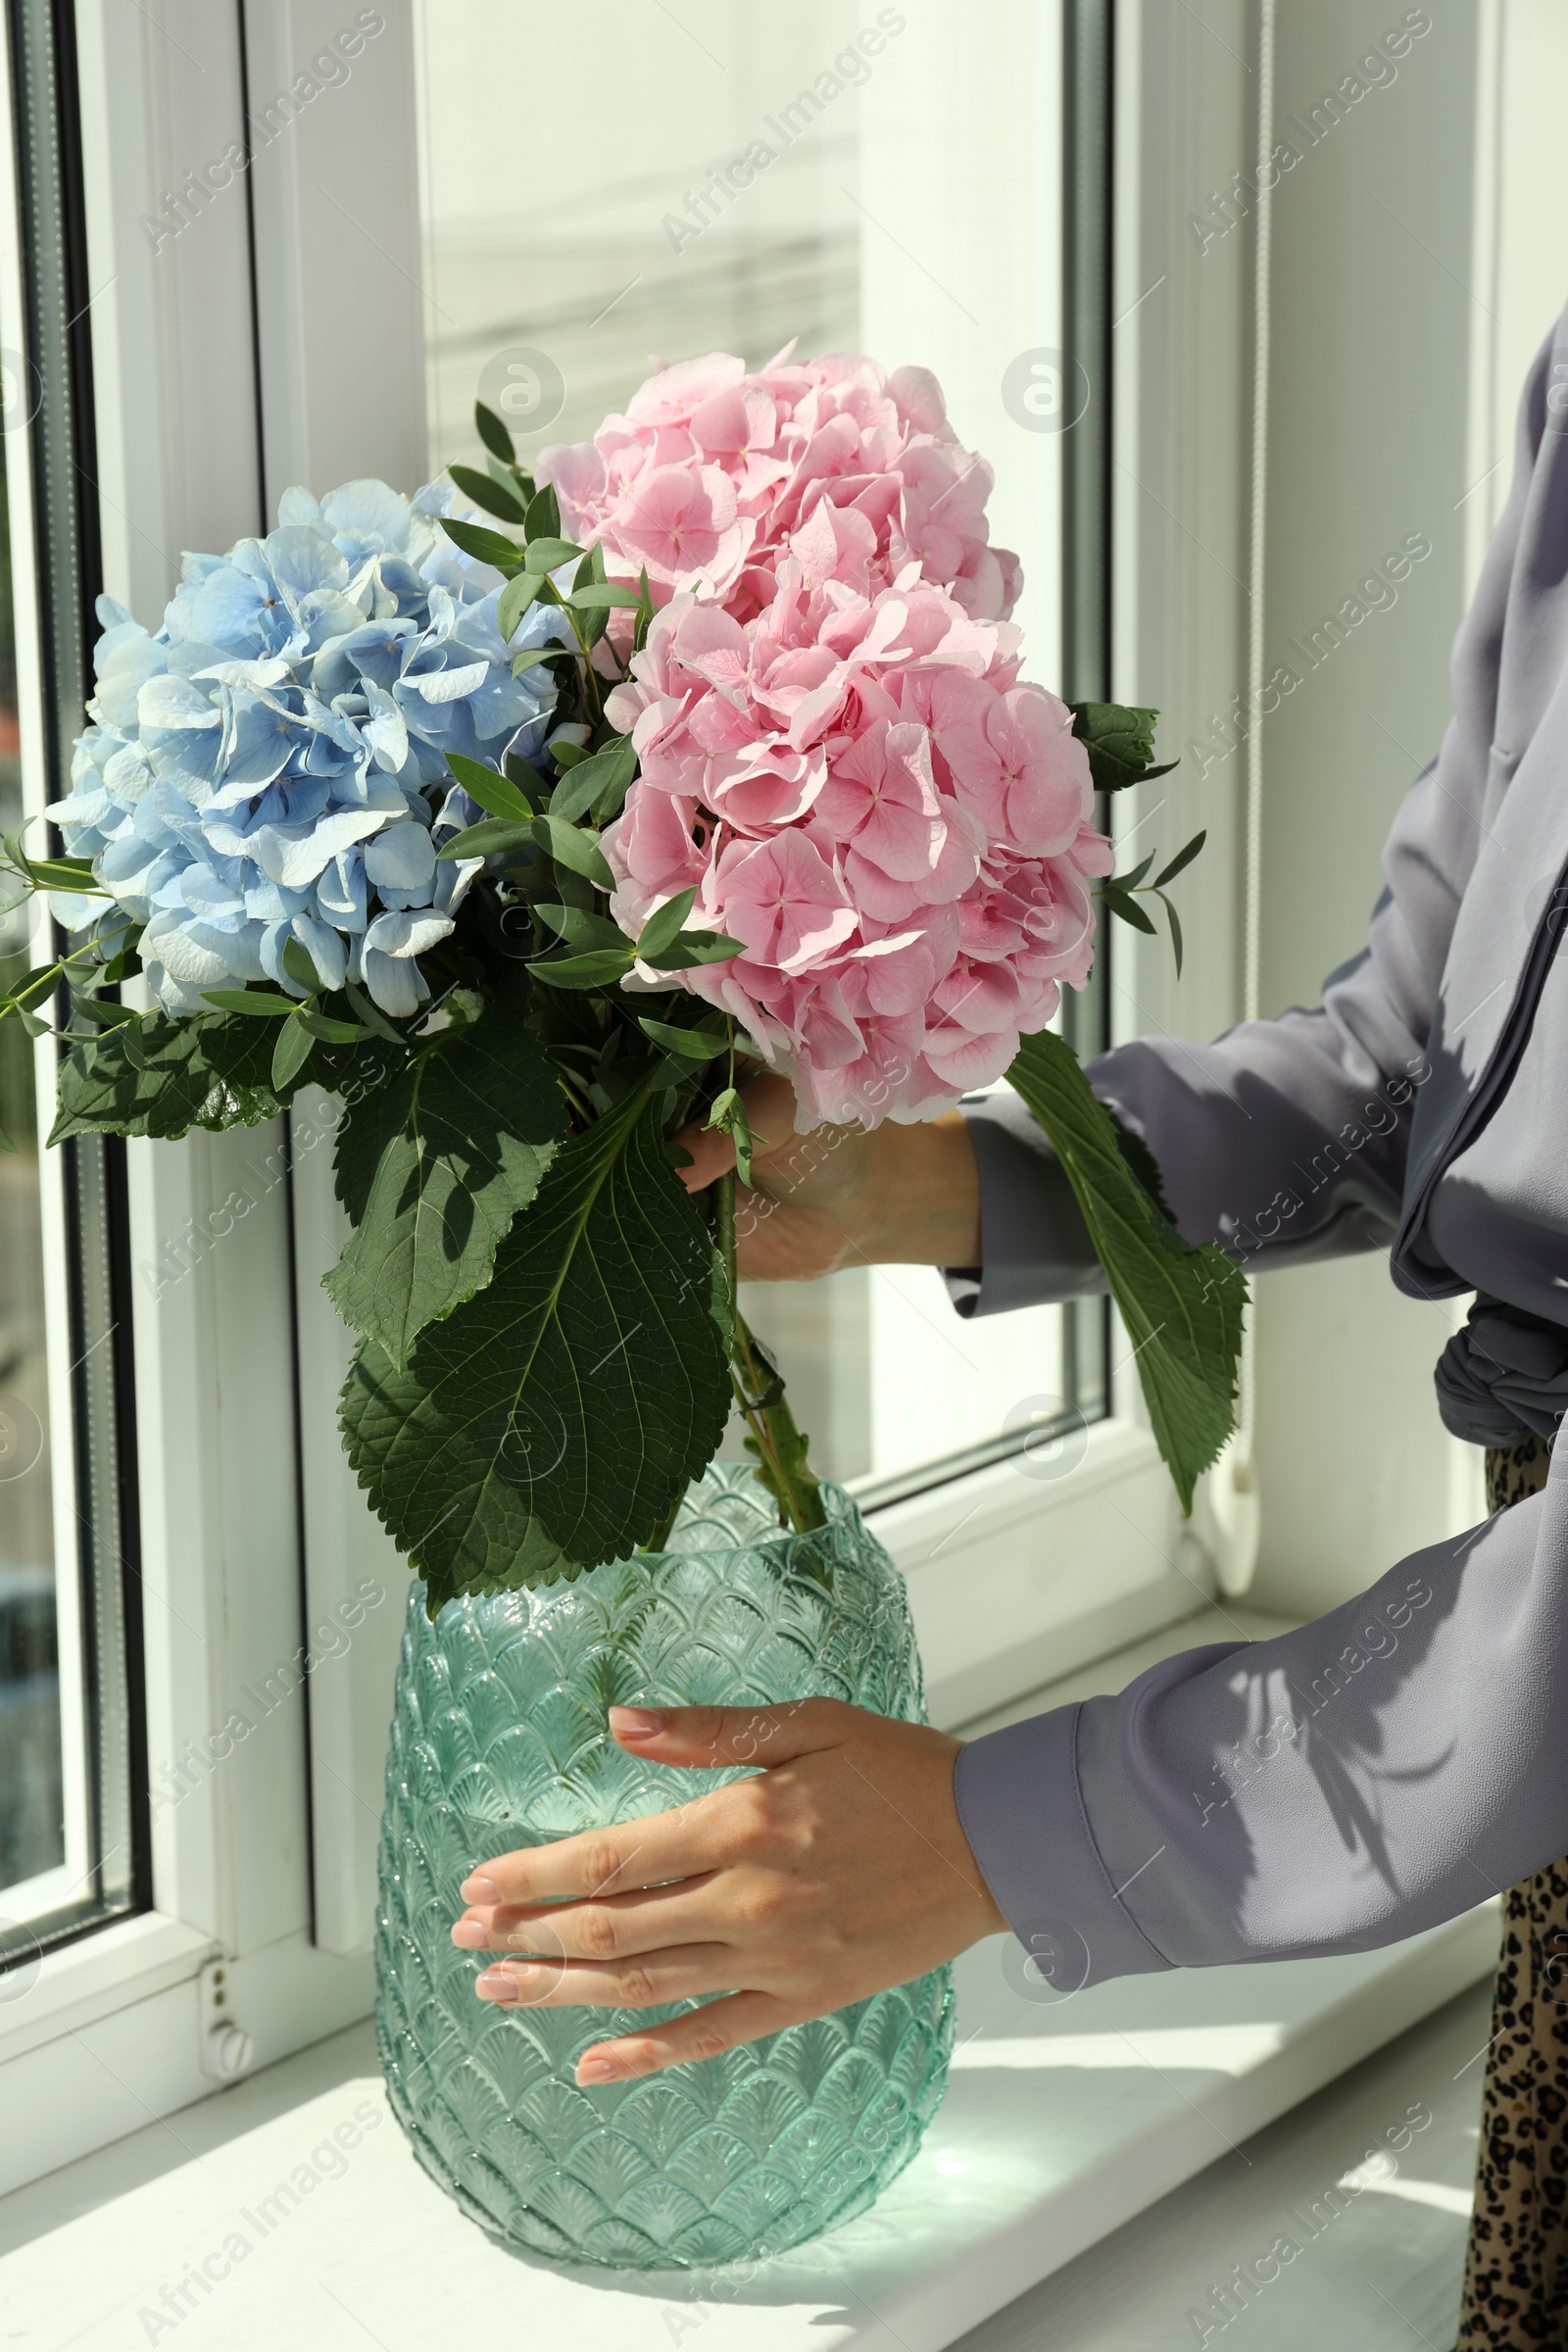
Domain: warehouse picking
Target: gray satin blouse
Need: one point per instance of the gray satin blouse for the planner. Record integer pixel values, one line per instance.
(1382, 1769)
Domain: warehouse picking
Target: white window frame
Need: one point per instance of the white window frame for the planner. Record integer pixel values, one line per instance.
(267, 1863)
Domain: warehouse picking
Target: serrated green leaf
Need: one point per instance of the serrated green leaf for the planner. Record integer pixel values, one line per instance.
(260, 1003)
(485, 490)
(1120, 739)
(1182, 1307)
(485, 547)
(515, 600)
(433, 1168)
(161, 1077)
(498, 794)
(662, 927)
(492, 431)
(574, 847)
(293, 1050)
(1182, 859)
(571, 1401)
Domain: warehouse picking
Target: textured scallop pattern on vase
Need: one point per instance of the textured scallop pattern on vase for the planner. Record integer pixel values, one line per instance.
(499, 1740)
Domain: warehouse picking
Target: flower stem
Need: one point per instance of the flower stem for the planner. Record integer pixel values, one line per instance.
(779, 1447)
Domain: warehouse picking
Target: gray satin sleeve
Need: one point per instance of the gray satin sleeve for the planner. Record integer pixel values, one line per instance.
(1033, 1239)
(1335, 1789)
(1287, 1140)
(1280, 1141)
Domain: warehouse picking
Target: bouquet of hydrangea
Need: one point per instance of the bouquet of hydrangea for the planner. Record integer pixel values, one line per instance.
(527, 839)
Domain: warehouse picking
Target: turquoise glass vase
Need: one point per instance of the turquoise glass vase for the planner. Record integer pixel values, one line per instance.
(499, 1740)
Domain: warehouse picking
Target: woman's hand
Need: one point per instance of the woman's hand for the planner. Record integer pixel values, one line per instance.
(841, 1196)
(840, 1869)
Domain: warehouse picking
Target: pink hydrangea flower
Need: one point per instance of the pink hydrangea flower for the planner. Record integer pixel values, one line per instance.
(713, 478)
(866, 796)
(836, 751)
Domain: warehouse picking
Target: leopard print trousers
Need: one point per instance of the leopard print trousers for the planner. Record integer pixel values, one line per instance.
(1516, 2267)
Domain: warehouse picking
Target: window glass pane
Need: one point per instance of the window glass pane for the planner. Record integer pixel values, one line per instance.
(68, 1849)
(32, 1811)
(563, 260)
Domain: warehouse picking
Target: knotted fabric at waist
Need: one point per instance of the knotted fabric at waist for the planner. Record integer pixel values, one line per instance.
(1503, 1377)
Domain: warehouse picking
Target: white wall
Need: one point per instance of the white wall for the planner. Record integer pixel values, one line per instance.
(1418, 261)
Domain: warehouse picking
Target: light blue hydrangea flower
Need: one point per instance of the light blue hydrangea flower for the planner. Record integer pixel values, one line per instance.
(272, 763)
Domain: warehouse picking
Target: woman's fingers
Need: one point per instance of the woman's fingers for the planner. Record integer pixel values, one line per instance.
(606, 1928)
(721, 1735)
(711, 1154)
(599, 1862)
(680, 1973)
(702, 2034)
(660, 1846)
(770, 1105)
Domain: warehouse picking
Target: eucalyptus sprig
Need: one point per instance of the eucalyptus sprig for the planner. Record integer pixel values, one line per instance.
(1121, 891)
(508, 490)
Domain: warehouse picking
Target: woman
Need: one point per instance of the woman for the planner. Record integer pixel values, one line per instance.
(1345, 1784)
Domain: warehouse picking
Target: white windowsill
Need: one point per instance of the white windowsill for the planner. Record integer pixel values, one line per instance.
(1059, 2125)
(110, 1969)
(1016, 1578)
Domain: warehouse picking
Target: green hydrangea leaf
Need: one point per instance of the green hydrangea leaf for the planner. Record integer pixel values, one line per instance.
(161, 1077)
(1182, 1307)
(572, 1401)
(1120, 739)
(433, 1168)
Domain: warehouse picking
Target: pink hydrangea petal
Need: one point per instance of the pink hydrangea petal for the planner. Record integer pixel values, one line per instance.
(677, 393)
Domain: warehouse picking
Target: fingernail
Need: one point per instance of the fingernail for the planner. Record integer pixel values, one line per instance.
(636, 1723)
(480, 1890)
(596, 2070)
(470, 1936)
(496, 1986)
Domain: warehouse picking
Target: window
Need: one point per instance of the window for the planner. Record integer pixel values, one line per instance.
(741, 183)
(326, 312)
(71, 1851)
(330, 310)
